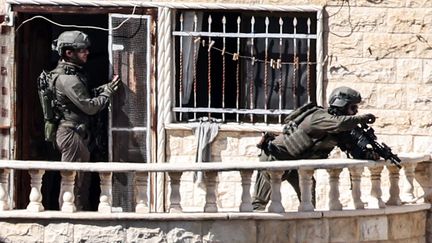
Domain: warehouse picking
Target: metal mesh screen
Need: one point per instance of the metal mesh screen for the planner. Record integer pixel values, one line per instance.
(129, 106)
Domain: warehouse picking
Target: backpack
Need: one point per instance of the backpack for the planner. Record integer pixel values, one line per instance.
(50, 107)
(296, 140)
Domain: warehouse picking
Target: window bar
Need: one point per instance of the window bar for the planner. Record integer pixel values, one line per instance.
(252, 82)
(309, 88)
(295, 62)
(267, 22)
(280, 68)
(236, 57)
(223, 66)
(181, 68)
(209, 65)
(196, 43)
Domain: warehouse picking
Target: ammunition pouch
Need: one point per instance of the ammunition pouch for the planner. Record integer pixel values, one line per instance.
(50, 131)
(297, 142)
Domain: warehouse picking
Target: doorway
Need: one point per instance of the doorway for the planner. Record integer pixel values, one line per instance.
(33, 54)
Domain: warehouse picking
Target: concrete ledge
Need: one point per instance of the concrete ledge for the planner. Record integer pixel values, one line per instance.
(382, 211)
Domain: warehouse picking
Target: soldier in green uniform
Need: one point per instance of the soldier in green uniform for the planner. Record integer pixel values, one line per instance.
(77, 104)
(312, 135)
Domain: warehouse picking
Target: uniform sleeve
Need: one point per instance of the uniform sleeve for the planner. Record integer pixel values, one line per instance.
(75, 90)
(324, 122)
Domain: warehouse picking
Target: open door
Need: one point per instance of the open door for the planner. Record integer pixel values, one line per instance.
(129, 116)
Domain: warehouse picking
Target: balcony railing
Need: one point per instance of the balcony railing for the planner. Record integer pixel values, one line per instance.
(306, 168)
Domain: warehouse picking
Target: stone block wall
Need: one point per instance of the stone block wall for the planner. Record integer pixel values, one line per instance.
(223, 228)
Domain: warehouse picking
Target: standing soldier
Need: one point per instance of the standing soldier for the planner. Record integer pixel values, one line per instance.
(312, 134)
(77, 104)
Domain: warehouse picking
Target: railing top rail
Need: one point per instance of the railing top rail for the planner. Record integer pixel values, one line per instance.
(211, 166)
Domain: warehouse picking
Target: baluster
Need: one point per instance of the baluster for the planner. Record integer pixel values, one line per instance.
(210, 180)
(305, 179)
(67, 196)
(334, 202)
(175, 197)
(375, 200)
(141, 192)
(408, 189)
(105, 199)
(4, 192)
(355, 174)
(275, 204)
(246, 202)
(394, 186)
(35, 197)
(4, 195)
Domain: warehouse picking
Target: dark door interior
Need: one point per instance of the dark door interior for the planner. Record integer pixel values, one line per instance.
(33, 54)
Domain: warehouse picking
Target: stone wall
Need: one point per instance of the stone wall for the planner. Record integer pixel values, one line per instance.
(223, 228)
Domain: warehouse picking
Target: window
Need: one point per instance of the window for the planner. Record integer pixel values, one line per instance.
(244, 66)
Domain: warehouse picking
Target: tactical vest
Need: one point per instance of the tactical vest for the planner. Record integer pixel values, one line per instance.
(296, 140)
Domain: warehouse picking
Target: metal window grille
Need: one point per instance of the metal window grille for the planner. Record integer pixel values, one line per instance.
(244, 67)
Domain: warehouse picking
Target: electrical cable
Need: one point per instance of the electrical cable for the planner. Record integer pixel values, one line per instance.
(76, 26)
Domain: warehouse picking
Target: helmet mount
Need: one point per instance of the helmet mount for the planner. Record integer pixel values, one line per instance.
(71, 40)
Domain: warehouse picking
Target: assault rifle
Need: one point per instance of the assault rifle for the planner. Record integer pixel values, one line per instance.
(365, 139)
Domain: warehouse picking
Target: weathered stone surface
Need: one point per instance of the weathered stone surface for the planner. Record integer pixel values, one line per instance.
(345, 46)
(181, 231)
(343, 229)
(233, 231)
(310, 230)
(373, 228)
(21, 233)
(419, 3)
(96, 234)
(55, 233)
(409, 71)
(400, 230)
(427, 71)
(276, 231)
(380, 3)
(146, 231)
(384, 45)
(409, 20)
(346, 20)
(366, 71)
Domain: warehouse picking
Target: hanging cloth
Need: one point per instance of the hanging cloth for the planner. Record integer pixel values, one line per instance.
(205, 133)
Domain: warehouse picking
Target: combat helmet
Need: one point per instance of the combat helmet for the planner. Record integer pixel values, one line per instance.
(71, 39)
(342, 96)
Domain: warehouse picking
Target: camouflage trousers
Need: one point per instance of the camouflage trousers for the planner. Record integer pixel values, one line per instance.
(262, 189)
(74, 148)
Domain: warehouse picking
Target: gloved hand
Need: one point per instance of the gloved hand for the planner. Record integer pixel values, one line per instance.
(372, 155)
(112, 86)
(368, 118)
